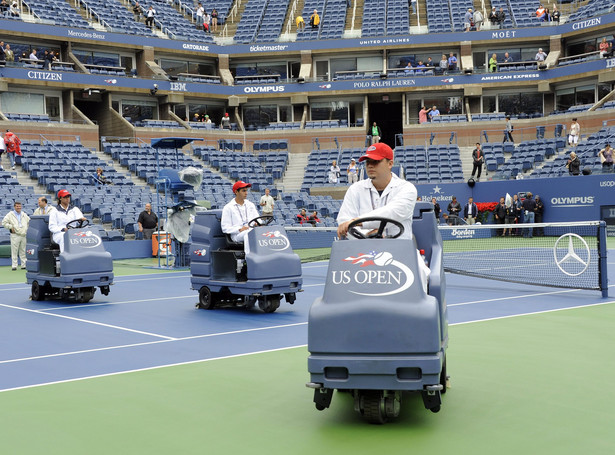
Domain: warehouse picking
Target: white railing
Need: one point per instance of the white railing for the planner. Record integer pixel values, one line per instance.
(231, 15)
(291, 17)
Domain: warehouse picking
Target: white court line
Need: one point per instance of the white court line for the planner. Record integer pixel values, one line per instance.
(245, 354)
(146, 343)
(89, 305)
(88, 322)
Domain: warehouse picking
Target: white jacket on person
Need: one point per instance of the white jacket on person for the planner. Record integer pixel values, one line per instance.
(14, 224)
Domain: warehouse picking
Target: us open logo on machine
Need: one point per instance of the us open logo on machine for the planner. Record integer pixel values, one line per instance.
(85, 239)
(202, 252)
(378, 270)
(30, 251)
(274, 240)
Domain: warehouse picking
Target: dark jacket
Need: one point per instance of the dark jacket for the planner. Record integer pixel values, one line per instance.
(500, 211)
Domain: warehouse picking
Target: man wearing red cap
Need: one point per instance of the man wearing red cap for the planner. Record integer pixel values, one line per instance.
(225, 123)
(64, 214)
(238, 213)
(382, 195)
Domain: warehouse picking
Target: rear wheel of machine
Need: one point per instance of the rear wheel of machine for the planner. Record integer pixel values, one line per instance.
(206, 301)
(86, 295)
(37, 291)
(373, 408)
(269, 303)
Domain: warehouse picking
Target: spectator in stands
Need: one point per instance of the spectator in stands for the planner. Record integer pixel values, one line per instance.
(468, 20)
(237, 214)
(13, 146)
(206, 119)
(374, 132)
(606, 158)
(443, 64)
(16, 222)
(555, 15)
(508, 131)
(214, 20)
(573, 164)
(33, 55)
(100, 179)
(452, 62)
(453, 211)
(478, 20)
(529, 207)
(137, 11)
(541, 13)
(575, 132)
(540, 209)
(148, 222)
(540, 56)
(313, 218)
(547, 15)
(470, 211)
(9, 55)
(300, 23)
(64, 214)
(200, 11)
(315, 19)
(604, 48)
(499, 213)
(149, 16)
(4, 7)
(429, 63)
(433, 113)
(507, 58)
(501, 17)
(352, 172)
(206, 22)
(493, 17)
(420, 65)
(423, 114)
(478, 158)
(225, 123)
(43, 207)
(413, 6)
(334, 172)
(302, 217)
(14, 10)
(493, 63)
(408, 67)
(48, 59)
(2, 54)
(436, 209)
(2, 150)
(267, 203)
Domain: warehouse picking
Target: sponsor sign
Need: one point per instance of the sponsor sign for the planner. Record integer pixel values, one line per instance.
(274, 240)
(572, 254)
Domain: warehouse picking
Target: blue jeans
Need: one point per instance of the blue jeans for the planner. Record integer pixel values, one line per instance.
(529, 218)
(11, 158)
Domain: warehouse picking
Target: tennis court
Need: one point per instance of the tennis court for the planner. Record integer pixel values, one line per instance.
(142, 371)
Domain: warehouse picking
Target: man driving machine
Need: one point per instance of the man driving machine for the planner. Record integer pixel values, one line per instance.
(64, 214)
(238, 213)
(384, 195)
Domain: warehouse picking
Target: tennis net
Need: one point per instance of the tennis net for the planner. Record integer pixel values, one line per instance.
(567, 255)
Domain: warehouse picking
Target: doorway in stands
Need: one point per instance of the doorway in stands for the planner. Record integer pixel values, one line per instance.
(387, 113)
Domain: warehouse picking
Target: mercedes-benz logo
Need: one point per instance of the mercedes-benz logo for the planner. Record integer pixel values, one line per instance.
(573, 258)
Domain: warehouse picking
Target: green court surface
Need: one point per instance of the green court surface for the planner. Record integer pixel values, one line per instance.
(534, 384)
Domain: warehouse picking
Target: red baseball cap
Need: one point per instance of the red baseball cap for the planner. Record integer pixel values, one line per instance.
(63, 193)
(377, 152)
(239, 185)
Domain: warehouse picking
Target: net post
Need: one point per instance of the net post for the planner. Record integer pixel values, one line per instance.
(602, 265)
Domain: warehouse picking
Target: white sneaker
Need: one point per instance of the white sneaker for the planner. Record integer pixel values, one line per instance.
(13, 168)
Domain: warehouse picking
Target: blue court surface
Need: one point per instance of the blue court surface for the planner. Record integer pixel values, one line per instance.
(150, 320)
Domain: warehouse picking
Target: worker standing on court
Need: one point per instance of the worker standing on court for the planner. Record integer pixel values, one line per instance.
(383, 194)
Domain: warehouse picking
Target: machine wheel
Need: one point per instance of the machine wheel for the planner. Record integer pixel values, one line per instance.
(269, 303)
(38, 292)
(373, 408)
(206, 301)
(86, 294)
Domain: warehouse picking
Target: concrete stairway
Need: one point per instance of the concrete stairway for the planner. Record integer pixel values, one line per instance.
(293, 177)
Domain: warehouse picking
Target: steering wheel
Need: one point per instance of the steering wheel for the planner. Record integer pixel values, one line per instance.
(77, 224)
(379, 234)
(261, 221)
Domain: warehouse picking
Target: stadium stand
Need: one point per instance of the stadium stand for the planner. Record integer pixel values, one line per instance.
(115, 17)
(57, 12)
